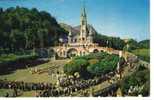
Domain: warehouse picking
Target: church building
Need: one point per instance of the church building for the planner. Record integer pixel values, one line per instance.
(80, 43)
(85, 37)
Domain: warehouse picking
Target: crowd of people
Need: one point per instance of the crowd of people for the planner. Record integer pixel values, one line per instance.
(24, 86)
(74, 85)
(80, 83)
(67, 85)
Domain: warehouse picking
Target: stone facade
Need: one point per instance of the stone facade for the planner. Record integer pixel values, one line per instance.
(82, 43)
(85, 36)
(78, 44)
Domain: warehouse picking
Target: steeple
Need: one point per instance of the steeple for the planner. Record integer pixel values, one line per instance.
(83, 24)
(83, 13)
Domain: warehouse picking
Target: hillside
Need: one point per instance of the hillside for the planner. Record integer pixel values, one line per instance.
(144, 44)
(68, 27)
(23, 28)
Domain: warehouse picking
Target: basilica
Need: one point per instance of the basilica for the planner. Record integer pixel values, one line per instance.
(85, 37)
(81, 43)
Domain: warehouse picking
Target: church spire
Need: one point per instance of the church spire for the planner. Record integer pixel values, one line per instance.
(83, 24)
(83, 13)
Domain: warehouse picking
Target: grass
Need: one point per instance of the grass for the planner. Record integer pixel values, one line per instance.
(26, 76)
(143, 54)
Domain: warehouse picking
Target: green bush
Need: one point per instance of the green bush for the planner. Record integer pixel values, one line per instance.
(139, 78)
(76, 65)
(104, 66)
(99, 55)
(144, 44)
(93, 61)
(95, 69)
(94, 64)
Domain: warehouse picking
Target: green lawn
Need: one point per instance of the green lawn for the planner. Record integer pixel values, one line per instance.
(26, 76)
(143, 54)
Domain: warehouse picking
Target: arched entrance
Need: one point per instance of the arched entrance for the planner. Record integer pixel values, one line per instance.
(95, 50)
(102, 50)
(72, 52)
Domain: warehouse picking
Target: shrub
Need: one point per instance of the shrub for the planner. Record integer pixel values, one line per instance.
(99, 55)
(139, 78)
(76, 65)
(93, 61)
(104, 66)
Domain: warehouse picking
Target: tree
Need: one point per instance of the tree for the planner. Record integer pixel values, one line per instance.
(23, 28)
(133, 44)
(113, 42)
(144, 44)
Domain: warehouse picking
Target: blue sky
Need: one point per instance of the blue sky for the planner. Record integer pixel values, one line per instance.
(121, 18)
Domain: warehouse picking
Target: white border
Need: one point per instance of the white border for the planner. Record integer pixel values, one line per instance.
(116, 98)
(151, 48)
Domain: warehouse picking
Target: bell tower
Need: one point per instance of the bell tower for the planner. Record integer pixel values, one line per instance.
(83, 24)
